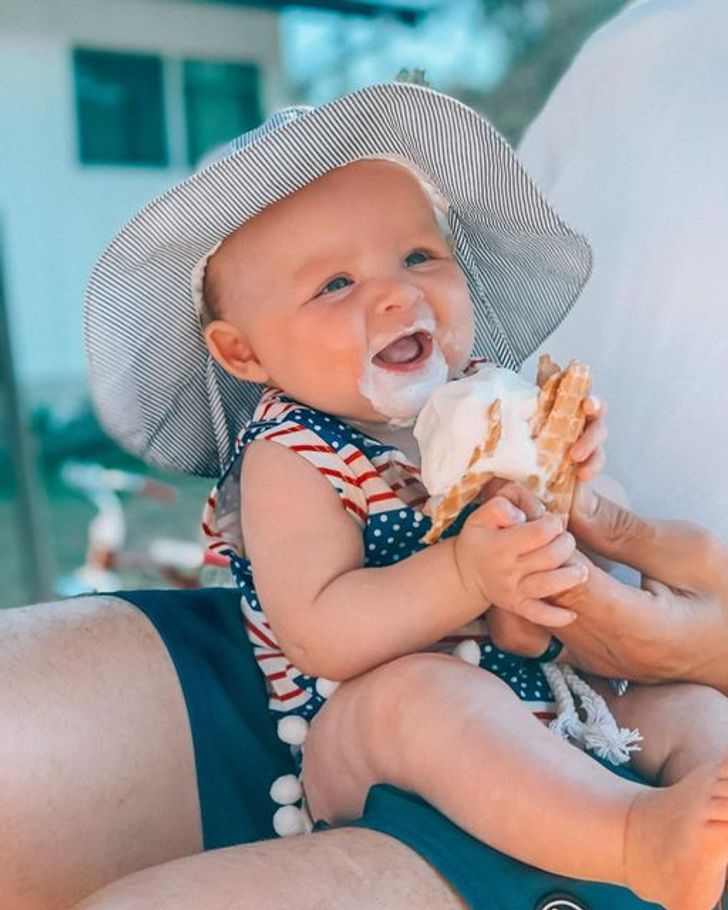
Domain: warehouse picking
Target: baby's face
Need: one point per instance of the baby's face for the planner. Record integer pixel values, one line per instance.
(346, 295)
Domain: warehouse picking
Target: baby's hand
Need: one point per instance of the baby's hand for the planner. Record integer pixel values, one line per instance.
(512, 555)
(587, 451)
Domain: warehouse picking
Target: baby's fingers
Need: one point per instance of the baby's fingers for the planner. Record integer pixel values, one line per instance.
(549, 584)
(521, 497)
(543, 614)
(535, 534)
(497, 512)
(552, 556)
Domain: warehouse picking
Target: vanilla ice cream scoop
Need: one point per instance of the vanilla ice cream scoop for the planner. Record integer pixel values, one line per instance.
(496, 424)
(454, 420)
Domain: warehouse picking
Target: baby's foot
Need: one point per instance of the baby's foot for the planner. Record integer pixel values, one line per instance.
(676, 844)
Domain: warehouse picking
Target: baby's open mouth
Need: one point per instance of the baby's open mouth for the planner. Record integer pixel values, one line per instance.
(406, 352)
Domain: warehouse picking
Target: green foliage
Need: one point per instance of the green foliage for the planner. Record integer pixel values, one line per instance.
(413, 76)
(539, 55)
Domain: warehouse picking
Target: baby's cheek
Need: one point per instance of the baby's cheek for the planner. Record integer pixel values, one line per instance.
(456, 339)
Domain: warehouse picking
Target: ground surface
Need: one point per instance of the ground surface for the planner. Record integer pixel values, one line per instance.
(68, 515)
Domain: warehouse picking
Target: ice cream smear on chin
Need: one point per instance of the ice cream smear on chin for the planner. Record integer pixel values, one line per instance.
(453, 423)
(400, 374)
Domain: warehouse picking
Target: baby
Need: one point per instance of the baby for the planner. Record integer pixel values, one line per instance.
(348, 296)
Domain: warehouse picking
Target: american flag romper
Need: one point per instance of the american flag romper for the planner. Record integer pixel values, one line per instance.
(382, 492)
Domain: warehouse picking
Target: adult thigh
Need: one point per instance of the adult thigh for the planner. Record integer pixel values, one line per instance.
(97, 775)
(345, 869)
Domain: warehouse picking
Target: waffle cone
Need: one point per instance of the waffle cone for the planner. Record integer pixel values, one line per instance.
(557, 424)
(445, 508)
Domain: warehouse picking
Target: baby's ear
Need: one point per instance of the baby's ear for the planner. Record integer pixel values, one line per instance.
(231, 348)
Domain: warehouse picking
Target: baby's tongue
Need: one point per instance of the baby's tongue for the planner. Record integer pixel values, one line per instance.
(401, 351)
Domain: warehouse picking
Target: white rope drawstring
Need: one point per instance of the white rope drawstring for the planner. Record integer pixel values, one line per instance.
(598, 732)
(567, 723)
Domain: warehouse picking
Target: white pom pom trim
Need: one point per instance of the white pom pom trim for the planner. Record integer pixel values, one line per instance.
(289, 821)
(469, 651)
(293, 730)
(326, 687)
(286, 789)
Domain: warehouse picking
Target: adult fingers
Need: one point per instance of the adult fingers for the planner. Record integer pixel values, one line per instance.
(592, 467)
(594, 435)
(677, 553)
(594, 407)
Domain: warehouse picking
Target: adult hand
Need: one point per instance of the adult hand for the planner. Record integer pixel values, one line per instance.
(675, 627)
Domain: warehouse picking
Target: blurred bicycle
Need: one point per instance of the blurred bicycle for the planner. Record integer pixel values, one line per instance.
(107, 563)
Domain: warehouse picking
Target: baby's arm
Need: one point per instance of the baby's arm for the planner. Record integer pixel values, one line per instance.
(336, 619)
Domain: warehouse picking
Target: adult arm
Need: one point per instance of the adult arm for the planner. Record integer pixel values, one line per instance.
(675, 627)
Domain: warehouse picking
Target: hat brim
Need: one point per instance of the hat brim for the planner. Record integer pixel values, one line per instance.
(154, 386)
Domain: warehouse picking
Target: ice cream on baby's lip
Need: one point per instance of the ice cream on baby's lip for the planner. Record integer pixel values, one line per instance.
(398, 382)
(405, 350)
(453, 421)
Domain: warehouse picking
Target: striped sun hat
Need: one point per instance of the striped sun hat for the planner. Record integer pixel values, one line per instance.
(156, 389)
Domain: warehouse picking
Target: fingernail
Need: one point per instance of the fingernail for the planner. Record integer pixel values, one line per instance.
(518, 515)
(596, 403)
(539, 510)
(586, 501)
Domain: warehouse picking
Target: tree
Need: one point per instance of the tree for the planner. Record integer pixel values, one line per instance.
(540, 54)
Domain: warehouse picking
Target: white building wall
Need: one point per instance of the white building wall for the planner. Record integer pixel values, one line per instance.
(57, 215)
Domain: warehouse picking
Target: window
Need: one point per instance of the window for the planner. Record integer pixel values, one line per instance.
(120, 108)
(221, 101)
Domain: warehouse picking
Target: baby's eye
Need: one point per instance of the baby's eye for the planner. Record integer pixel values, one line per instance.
(336, 284)
(416, 257)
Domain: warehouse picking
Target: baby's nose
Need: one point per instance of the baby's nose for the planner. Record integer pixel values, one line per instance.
(395, 295)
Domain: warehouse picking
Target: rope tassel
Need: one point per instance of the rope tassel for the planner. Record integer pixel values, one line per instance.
(598, 732)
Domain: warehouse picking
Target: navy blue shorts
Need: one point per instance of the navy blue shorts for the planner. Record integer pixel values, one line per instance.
(238, 755)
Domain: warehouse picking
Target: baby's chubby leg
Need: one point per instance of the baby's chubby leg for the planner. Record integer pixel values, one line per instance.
(460, 738)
